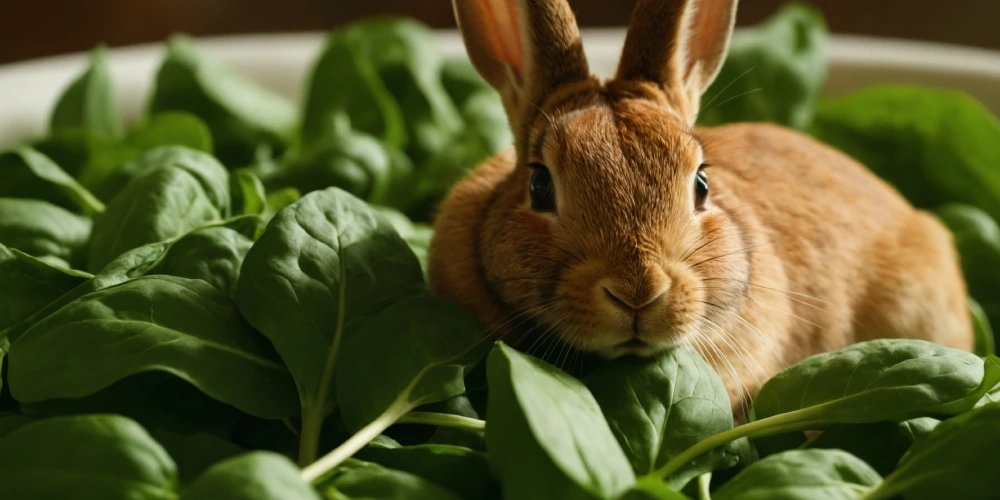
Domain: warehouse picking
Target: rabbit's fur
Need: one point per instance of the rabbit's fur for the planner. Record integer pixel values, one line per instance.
(797, 250)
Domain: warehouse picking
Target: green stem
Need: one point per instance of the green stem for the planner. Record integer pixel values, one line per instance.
(778, 424)
(312, 425)
(704, 482)
(443, 420)
(364, 436)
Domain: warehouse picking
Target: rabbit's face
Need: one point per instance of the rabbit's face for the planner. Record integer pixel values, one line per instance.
(608, 234)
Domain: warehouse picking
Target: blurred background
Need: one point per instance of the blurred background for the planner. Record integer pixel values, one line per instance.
(36, 28)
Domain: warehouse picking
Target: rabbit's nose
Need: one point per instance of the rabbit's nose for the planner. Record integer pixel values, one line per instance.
(631, 302)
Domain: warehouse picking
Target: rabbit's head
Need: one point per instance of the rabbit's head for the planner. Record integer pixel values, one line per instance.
(607, 231)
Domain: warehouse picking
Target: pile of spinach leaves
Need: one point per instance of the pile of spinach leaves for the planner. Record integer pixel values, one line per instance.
(226, 300)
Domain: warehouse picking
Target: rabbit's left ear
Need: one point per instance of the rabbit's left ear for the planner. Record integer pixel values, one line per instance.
(679, 45)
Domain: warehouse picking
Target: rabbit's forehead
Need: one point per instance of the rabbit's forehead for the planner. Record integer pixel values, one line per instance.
(623, 149)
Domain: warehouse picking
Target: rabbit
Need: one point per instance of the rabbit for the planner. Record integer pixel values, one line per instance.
(618, 226)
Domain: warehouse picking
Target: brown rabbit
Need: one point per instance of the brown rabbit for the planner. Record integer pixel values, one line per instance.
(619, 227)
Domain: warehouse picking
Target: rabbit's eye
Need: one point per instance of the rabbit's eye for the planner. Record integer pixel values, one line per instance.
(700, 189)
(543, 193)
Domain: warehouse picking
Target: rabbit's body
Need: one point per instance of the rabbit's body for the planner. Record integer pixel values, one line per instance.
(599, 228)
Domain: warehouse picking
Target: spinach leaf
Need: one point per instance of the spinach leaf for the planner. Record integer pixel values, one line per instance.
(30, 174)
(344, 83)
(354, 162)
(952, 461)
(879, 444)
(417, 236)
(977, 238)
(89, 101)
(164, 129)
(461, 470)
(279, 199)
(906, 133)
(253, 476)
(248, 193)
(413, 352)
(546, 435)
(486, 120)
(216, 252)
(9, 422)
(240, 114)
(141, 397)
(774, 72)
(985, 343)
(322, 262)
(362, 480)
(659, 408)
(71, 148)
(30, 284)
(195, 453)
(185, 189)
(181, 326)
(408, 61)
(885, 379)
(41, 229)
(801, 474)
(461, 81)
(651, 489)
(94, 456)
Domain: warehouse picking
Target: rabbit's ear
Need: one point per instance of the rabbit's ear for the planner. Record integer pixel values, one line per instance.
(523, 48)
(679, 45)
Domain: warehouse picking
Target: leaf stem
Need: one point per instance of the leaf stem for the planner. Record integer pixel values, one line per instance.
(444, 420)
(364, 436)
(785, 422)
(312, 425)
(704, 483)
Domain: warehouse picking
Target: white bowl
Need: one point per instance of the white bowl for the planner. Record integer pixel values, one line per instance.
(28, 90)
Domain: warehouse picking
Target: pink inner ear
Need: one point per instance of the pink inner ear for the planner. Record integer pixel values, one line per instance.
(505, 32)
(709, 29)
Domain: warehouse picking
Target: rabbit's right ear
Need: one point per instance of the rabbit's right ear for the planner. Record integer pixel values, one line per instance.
(679, 45)
(524, 49)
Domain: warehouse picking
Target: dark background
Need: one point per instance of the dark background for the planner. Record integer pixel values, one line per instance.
(35, 28)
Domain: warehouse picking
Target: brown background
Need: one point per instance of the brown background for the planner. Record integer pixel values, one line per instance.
(34, 28)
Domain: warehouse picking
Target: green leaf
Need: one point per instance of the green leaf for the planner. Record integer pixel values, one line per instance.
(279, 199)
(953, 461)
(546, 435)
(458, 469)
(418, 236)
(141, 398)
(361, 480)
(801, 474)
(41, 229)
(774, 72)
(906, 133)
(344, 83)
(30, 174)
(211, 253)
(95, 456)
(30, 284)
(461, 81)
(408, 62)
(89, 101)
(71, 148)
(259, 475)
(195, 453)
(323, 262)
(413, 352)
(164, 129)
(181, 190)
(977, 238)
(658, 408)
(651, 489)
(9, 422)
(880, 444)
(248, 193)
(885, 379)
(240, 114)
(181, 326)
(354, 162)
(985, 343)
